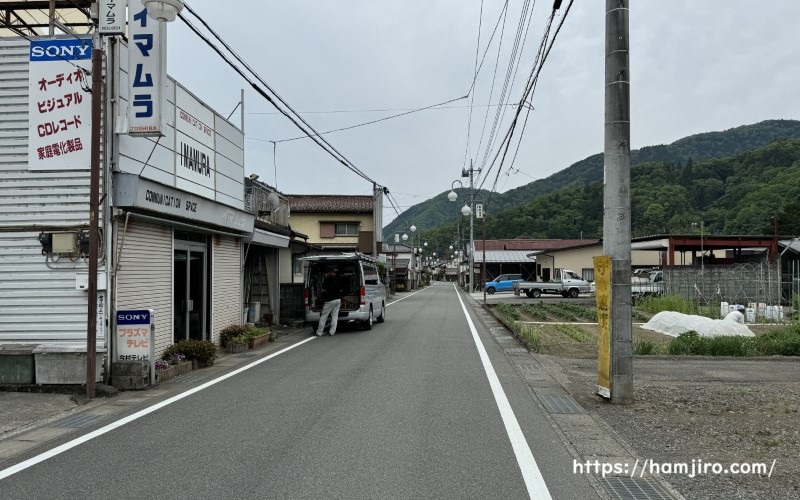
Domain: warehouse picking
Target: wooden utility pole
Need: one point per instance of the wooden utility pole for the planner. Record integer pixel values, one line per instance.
(94, 211)
(616, 198)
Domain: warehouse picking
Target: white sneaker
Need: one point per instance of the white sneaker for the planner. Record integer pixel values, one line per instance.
(332, 333)
(319, 334)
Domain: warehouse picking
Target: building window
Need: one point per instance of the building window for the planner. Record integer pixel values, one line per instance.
(297, 266)
(346, 229)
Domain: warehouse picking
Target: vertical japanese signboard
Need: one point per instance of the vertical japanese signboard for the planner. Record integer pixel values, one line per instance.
(111, 20)
(59, 104)
(602, 280)
(145, 71)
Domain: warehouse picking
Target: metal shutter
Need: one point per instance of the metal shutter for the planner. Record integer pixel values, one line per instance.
(144, 278)
(226, 288)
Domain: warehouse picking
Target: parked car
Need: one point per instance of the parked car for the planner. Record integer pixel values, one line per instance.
(364, 300)
(503, 283)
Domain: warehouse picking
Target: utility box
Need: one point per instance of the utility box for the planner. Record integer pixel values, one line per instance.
(64, 364)
(17, 364)
(130, 375)
(65, 242)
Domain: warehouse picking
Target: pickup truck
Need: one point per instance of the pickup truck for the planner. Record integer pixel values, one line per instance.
(567, 283)
(652, 286)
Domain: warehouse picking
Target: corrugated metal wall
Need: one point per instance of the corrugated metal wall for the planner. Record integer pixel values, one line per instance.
(144, 279)
(226, 288)
(38, 297)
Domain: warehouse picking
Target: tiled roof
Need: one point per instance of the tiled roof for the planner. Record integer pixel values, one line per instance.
(337, 203)
(532, 244)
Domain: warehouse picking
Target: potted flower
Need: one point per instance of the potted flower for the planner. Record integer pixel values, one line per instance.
(171, 366)
(202, 353)
(257, 337)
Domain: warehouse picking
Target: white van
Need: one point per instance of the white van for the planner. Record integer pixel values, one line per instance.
(364, 300)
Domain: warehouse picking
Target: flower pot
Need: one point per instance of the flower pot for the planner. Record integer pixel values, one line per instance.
(259, 341)
(173, 371)
(235, 348)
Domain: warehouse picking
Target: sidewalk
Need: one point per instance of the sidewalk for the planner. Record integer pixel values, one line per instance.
(31, 419)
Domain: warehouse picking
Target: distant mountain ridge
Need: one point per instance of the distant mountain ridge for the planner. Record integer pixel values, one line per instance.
(688, 150)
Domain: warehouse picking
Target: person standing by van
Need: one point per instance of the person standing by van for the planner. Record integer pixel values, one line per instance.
(332, 295)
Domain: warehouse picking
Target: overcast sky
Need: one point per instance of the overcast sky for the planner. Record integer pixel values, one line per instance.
(696, 66)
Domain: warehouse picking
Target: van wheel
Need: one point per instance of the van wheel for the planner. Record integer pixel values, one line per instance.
(382, 317)
(367, 325)
(536, 293)
(490, 290)
(573, 293)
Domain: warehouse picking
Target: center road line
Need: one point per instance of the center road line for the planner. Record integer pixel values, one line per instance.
(530, 471)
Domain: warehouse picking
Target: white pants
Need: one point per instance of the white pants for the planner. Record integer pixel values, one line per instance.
(331, 307)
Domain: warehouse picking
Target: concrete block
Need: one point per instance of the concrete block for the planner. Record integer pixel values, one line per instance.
(64, 364)
(130, 375)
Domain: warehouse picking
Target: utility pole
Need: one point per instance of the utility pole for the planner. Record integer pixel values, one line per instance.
(94, 211)
(616, 197)
(470, 173)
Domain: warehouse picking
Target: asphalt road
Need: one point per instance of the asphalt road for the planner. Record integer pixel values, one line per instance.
(422, 406)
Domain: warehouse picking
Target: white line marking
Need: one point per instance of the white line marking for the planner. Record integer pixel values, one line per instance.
(130, 418)
(530, 471)
(403, 298)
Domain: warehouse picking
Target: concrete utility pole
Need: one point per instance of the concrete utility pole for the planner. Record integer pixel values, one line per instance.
(616, 197)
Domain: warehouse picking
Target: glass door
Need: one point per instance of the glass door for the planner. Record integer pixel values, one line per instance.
(189, 291)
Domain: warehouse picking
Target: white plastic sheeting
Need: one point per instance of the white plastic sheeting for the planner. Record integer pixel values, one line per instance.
(674, 323)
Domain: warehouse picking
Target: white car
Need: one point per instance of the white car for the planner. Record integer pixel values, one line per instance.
(364, 299)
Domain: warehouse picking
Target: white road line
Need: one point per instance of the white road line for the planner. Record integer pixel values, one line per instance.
(403, 298)
(130, 418)
(530, 471)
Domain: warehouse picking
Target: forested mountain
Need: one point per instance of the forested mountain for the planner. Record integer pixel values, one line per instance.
(671, 186)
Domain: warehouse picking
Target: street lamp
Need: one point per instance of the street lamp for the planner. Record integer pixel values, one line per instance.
(466, 211)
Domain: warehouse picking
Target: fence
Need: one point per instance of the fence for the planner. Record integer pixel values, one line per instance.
(745, 283)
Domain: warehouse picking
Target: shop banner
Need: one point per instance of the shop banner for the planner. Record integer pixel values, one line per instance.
(59, 104)
(147, 41)
(111, 20)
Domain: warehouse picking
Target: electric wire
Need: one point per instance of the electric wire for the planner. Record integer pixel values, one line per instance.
(295, 119)
(373, 121)
(532, 83)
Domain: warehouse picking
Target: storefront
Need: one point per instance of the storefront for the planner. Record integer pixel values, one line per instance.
(188, 270)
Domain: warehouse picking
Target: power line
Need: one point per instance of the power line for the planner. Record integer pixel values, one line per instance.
(321, 142)
(533, 79)
(373, 121)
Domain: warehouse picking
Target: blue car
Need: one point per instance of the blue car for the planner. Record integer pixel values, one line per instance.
(503, 283)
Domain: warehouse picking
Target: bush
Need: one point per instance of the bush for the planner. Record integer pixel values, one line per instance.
(784, 342)
(687, 343)
(204, 351)
(230, 332)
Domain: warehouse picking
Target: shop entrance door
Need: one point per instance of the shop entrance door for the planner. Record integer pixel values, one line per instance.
(190, 284)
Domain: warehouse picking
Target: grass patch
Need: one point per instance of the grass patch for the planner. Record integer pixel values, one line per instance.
(535, 312)
(532, 336)
(783, 342)
(645, 348)
(653, 305)
(572, 332)
(509, 311)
